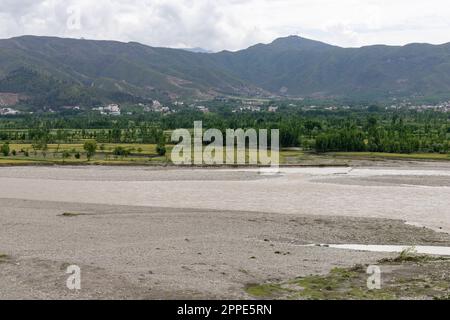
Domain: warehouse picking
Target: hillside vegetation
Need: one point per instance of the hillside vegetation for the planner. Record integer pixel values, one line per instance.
(55, 71)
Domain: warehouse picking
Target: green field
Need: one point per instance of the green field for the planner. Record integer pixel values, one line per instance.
(139, 154)
(146, 154)
(374, 155)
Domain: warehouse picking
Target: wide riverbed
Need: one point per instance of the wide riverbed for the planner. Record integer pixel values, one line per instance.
(160, 233)
(418, 195)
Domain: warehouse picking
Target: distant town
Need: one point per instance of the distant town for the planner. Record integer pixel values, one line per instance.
(10, 106)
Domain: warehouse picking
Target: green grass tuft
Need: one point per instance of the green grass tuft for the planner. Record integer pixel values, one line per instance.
(4, 258)
(265, 290)
(410, 255)
(417, 277)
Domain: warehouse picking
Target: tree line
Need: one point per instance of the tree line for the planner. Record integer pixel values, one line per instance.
(374, 131)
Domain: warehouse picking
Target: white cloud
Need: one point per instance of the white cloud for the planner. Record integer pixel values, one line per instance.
(232, 24)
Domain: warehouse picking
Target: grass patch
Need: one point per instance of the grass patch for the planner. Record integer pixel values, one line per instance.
(265, 290)
(146, 154)
(394, 156)
(416, 277)
(410, 255)
(339, 284)
(4, 258)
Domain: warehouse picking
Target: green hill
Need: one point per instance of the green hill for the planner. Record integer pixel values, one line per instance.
(300, 67)
(54, 71)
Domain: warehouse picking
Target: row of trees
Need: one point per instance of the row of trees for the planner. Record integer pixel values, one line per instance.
(148, 135)
(90, 147)
(382, 131)
(343, 140)
(394, 138)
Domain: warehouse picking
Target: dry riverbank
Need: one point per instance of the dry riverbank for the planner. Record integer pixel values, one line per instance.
(136, 252)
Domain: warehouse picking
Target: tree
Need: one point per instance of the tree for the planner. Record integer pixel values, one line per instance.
(90, 147)
(116, 135)
(5, 149)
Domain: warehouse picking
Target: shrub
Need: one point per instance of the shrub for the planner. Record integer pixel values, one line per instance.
(65, 154)
(161, 150)
(90, 147)
(5, 149)
(121, 152)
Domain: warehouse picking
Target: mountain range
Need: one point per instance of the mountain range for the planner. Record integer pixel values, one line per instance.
(58, 71)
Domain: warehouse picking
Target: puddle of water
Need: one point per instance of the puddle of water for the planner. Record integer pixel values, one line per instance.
(440, 251)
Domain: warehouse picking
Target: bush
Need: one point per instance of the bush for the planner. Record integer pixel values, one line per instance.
(65, 154)
(90, 147)
(161, 150)
(121, 152)
(5, 149)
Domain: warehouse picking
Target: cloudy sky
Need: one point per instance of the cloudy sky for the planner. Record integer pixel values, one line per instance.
(230, 24)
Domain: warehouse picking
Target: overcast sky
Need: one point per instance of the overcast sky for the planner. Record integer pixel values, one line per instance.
(230, 24)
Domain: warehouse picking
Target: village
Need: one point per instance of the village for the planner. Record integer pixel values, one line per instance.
(10, 105)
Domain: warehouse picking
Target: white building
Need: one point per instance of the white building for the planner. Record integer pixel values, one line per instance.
(8, 112)
(202, 109)
(156, 104)
(111, 109)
